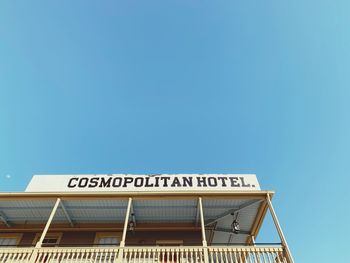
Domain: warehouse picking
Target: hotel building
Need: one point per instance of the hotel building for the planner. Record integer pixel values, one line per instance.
(182, 218)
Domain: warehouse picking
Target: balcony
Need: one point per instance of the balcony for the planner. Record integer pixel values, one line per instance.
(237, 254)
(201, 220)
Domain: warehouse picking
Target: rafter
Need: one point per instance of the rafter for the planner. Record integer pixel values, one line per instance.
(133, 214)
(66, 214)
(4, 219)
(227, 230)
(233, 210)
(197, 214)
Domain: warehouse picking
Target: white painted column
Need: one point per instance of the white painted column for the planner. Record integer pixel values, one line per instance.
(125, 229)
(48, 223)
(204, 239)
(279, 229)
(253, 240)
(119, 258)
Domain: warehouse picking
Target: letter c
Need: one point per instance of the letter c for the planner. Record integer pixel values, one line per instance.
(70, 185)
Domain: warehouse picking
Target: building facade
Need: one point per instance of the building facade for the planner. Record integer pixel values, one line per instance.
(207, 218)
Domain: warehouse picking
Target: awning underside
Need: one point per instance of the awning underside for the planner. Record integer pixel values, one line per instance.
(217, 213)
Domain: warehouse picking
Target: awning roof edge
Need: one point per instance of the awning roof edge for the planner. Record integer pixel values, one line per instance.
(68, 195)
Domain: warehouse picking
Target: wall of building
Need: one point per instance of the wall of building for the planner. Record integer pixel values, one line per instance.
(78, 238)
(149, 238)
(141, 238)
(27, 240)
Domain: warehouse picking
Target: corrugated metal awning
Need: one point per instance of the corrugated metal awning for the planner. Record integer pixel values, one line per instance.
(217, 213)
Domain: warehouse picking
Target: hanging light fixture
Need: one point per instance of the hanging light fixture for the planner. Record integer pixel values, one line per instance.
(131, 226)
(235, 225)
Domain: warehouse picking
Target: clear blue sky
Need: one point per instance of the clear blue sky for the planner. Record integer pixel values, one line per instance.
(186, 87)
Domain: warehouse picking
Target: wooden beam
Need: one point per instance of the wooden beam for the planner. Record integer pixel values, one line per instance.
(100, 227)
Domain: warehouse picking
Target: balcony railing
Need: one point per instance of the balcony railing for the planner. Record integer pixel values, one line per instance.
(248, 254)
(15, 254)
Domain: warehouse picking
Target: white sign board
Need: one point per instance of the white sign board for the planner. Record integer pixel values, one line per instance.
(143, 183)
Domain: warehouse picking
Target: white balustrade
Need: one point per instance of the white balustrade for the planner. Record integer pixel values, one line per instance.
(15, 254)
(244, 254)
(163, 255)
(76, 255)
